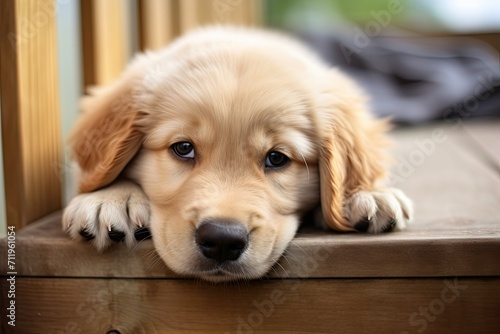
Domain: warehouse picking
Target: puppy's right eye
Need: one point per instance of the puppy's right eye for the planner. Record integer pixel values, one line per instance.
(183, 150)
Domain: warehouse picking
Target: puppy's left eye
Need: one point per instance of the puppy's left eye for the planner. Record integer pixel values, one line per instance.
(276, 159)
(183, 150)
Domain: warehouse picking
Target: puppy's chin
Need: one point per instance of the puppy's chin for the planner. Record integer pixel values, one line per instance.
(220, 275)
(194, 265)
(241, 270)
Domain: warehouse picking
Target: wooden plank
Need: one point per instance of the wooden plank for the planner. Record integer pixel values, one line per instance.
(30, 109)
(106, 44)
(159, 23)
(59, 305)
(88, 44)
(43, 250)
(451, 184)
(188, 15)
(111, 47)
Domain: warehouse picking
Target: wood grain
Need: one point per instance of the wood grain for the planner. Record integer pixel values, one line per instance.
(159, 23)
(30, 110)
(111, 43)
(105, 42)
(452, 183)
(44, 250)
(465, 305)
(106, 45)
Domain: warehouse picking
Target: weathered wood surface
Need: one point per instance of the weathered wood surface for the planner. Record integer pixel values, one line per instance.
(29, 90)
(327, 282)
(149, 306)
(432, 251)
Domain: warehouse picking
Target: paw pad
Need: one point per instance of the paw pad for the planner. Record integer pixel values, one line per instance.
(142, 233)
(86, 234)
(390, 226)
(116, 235)
(362, 225)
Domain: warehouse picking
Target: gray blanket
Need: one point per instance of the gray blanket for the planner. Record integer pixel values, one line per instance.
(414, 80)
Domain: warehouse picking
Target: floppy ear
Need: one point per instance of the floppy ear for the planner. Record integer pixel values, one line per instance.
(105, 137)
(352, 148)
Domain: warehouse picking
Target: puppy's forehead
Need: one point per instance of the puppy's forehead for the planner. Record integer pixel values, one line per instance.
(237, 85)
(238, 94)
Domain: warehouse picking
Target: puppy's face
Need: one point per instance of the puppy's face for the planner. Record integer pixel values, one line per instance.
(229, 162)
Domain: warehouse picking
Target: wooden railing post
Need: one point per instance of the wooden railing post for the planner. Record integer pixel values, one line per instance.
(30, 109)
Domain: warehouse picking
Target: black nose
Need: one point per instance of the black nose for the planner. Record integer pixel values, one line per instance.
(222, 241)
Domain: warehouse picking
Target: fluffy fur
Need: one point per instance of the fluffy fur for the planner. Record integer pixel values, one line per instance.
(236, 95)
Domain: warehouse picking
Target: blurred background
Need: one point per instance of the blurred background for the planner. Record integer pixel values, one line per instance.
(446, 17)
(421, 61)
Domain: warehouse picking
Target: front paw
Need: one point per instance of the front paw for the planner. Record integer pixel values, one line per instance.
(379, 211)
(117, 213)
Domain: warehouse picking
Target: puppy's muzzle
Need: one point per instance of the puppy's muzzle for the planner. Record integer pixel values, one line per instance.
(221, 240)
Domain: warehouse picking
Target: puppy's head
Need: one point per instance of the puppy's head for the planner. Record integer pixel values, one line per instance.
(229, 147)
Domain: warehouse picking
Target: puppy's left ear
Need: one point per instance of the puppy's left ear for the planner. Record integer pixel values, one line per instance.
(106, 136)
(353, 147)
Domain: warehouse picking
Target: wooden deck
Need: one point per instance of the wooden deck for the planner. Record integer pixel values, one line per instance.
(442, 275)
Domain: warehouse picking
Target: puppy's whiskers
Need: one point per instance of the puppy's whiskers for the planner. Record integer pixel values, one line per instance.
(286, 259)
(282, 268)
(153, 262)
(159, 253)
(136, 245)
(298, 246)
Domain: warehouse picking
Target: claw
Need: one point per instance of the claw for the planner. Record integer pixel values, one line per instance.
(142, 233)
(363, 225)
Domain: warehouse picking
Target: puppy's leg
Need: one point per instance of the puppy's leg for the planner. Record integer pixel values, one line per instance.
(378, 211)
(119, 212)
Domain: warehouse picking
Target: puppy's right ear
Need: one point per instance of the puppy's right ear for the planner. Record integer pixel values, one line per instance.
(106, 136)
(353, 147)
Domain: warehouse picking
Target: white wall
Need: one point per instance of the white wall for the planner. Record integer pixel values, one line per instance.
(70, 79)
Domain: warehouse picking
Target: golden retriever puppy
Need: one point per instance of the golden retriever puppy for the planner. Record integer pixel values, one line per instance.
(218, 144)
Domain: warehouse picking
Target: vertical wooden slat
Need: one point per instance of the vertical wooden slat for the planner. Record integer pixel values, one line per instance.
(188, 15)
(130, 26)
(255, 13)
(110, 40)
(106, 48)
(159, 23)
(30, 109)
(88, 45)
